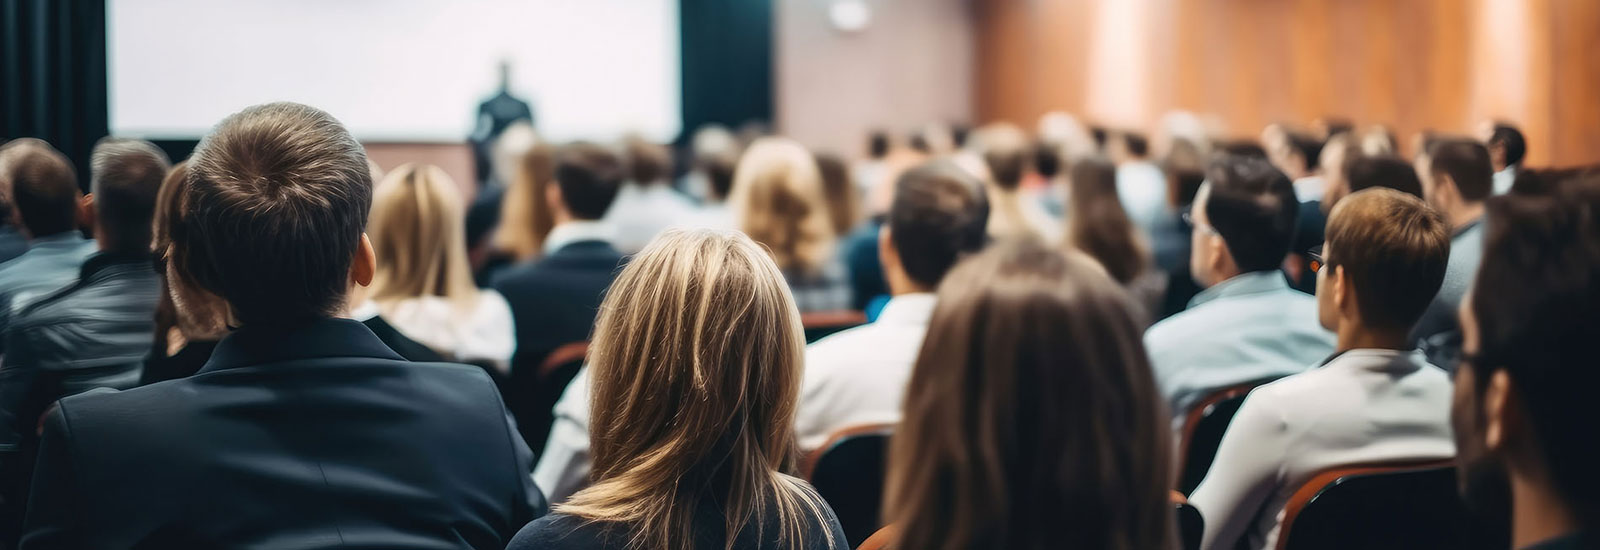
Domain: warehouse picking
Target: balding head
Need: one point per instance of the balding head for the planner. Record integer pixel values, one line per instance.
(41, 187)
(125, 176)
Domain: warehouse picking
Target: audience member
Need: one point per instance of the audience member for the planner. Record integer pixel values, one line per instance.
(1302, 163)
(688, 404)
(1386, 171)
(1141, 186)
(647, 204)
(1004, 150)
(1248, 324)
(1032, 419)
(1185, 170)
(1376, 400)
(940, 214)
(1524, 393)
(1335, 152)
(187, 326)
(869, 171)
(1507, 149)
(1456, 179)
(555, 299)
(1097, 225)
(370, 450)
(483, 213)
(1379, 140)
(777, 199)
(94, 332)
(524, 216)
(843, 203)
(717, 171)
(869, 286)
(12, 241)
(43, 192)
(411, 350)
(423, 285)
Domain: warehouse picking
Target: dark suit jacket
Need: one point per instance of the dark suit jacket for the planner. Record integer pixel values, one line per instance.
(313, 436)
(553, 301)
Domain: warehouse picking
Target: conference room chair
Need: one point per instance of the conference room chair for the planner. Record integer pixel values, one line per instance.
(533, 398)
(1203, 429)
(819, 324)
(1190, 528)
(848, 471)
(1383, 506)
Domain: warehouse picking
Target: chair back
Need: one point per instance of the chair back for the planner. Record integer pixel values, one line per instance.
(535, 396)
(1203, 429)
(1191, 527)
(849, 472)
(819, 324)
(879, 540)
(1383, 506)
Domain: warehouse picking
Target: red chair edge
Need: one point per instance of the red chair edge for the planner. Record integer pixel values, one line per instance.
(564, 354)
(1326, 478)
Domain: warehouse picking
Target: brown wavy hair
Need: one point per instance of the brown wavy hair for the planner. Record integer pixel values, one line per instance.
(1098, 226)
(1032, 418)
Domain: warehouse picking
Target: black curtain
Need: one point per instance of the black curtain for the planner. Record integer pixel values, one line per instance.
(53, 74)
(726, 52)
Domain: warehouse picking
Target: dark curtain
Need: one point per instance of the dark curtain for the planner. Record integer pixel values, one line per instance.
(53, 74)
(726, 52)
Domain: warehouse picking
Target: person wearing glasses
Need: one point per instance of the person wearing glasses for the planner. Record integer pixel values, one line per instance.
(1377, 399)
(1247, 324)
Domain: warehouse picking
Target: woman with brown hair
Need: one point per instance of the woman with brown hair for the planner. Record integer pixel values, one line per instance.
(1098, 225)
(525, 218)
(189, 322)
(1032, 419)
(692, 383)
(778, 201)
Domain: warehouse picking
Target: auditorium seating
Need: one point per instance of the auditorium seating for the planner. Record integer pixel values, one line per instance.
(1382, 506)
(1203, 429)
(848, 472)
(533, 399)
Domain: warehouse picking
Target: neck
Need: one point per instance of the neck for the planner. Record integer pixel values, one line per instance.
(1537, 514)
(560, 217)
(1360, 337)
(1465, 215)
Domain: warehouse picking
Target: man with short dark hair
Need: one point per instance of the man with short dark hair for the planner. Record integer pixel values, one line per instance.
(96, 331)
(1524, 393)
(1375, 400)
(1456, 180)
(555, 299)
(45, 203)
(303, 430)
(1247, 325)
(938, 215)
(647, 204)
(1507, 149)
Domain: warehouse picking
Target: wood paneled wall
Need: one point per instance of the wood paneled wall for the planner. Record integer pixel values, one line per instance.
(1445, 65)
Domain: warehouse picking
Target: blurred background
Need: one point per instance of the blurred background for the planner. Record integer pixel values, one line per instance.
(410, 76)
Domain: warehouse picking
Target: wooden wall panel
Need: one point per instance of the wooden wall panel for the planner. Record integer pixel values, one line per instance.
(1443, 65)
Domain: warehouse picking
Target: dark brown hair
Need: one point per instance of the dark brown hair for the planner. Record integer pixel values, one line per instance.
(589, 177)
(1032, 418)
(277, 199)
(43, 187)
(1466, 162)
(1097, 224)
(1388, 171)
(1253, 206)
(940, 214)
(648, 162)
(1393, 248)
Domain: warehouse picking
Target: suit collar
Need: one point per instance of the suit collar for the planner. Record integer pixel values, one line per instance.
(1255, 282)
(317, 339)
(576, 231)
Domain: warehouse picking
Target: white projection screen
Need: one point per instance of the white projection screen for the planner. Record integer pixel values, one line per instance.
(395, 70)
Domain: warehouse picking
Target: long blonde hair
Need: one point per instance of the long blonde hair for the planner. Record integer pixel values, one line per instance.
(419, 235)
(777, 195)
(525, 218)
(694, 376)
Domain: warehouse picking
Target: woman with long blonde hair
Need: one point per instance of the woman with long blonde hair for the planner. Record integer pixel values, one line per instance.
(692, 385)
(1032, 419)
(423, 284)
(778, 201)
(525, 217)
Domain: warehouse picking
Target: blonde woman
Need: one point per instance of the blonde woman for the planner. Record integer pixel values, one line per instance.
(525, 218)
(423, 285)
(778, 201)
(691, 392)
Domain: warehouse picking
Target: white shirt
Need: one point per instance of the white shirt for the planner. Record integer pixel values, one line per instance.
(1363, 406)
(858, 376)
(564, 467)
(640, 212)
(1504, 179)
(1142, 188)
(1309, 188)
(485, 334)
(577, 231)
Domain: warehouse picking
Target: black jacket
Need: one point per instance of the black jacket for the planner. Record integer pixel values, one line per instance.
(314, 436)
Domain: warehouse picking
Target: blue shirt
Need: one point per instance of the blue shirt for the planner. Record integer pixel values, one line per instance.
(1250, 327)
(51, 263)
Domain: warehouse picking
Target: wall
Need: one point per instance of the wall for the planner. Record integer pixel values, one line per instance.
(913, 64)
(1414, 64)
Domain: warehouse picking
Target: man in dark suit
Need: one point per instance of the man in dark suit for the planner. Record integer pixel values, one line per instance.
(303, 430)
(554, 300)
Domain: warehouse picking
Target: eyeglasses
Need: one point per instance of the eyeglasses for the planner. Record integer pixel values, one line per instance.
(1318, 261)
(1188, 218)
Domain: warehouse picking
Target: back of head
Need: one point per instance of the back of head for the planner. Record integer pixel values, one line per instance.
(42, 186)
(125, 176)
(1306, 147)
(1004, 149)
(524, 216)
(509, 147)
(694, 378)
(1390, 172)
(1099, 226)
(1393, 249)
(939, 214)
(878, 145)
(418, 234)
(777, 198)
(1032, 395)
(1466, 162)
(589, 176)
(648, 162)
(1253, 207)
(1509, 139)
(278, 198)
(198, 315)
(843, 202)
(1537, 307)
(1136, 144)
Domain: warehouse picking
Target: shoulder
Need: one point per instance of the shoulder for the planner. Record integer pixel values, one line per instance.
(560, 531)
(1178, 327)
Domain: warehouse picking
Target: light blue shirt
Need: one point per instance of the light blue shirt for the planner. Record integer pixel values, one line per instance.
(1246, 328)
(50, 263)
